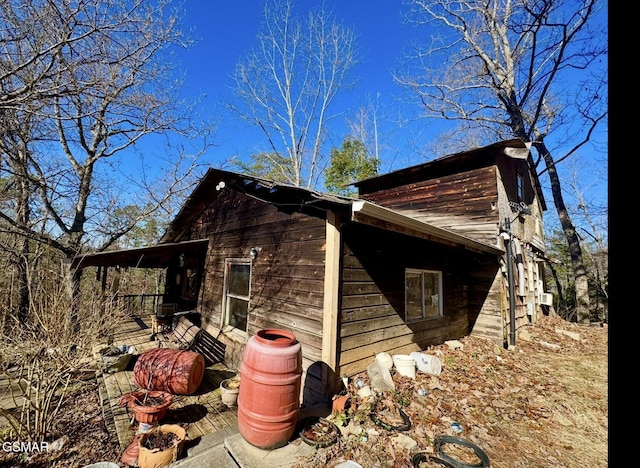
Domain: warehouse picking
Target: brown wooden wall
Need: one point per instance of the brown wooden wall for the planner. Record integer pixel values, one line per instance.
(475, 202)
(372, 294)
(528, 227)
(287, 276)
(465, 202)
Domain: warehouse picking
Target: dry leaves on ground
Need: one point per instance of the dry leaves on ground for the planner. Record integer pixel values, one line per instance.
(544, 404)
(79, 436)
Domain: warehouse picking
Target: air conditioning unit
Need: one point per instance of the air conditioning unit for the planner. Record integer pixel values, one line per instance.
(546, 299)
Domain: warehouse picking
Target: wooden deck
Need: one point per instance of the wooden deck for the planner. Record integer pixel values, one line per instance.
(203, 412)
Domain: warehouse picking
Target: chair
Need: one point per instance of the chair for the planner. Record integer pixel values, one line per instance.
(163, 318)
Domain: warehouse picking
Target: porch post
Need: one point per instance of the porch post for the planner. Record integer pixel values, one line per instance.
(331, 290)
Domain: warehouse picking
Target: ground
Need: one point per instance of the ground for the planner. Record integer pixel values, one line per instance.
(79, 437)
(542, 404)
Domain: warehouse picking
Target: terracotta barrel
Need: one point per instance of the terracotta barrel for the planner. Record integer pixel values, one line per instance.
(269, 398)
(169, 370)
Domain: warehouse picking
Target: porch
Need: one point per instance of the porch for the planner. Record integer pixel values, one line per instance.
(203, 411)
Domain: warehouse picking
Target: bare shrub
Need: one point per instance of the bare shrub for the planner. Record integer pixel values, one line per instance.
(43, 359)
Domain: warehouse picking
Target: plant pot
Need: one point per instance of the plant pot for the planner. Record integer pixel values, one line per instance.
(318, 432)
(229, 390)
(154, 456)
(145, 412)
(130, 455)
(116, 358)
(391, 422)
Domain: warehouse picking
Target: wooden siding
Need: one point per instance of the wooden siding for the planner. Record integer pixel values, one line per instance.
(464, 203)
(475, 202)
(372, 294)
(287, 277)
(528, 229)
(492, 321)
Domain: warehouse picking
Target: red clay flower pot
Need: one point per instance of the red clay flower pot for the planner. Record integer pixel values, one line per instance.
(161, 456)
(147, 413)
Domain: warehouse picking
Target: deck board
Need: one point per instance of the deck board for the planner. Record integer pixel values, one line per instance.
(201, 413)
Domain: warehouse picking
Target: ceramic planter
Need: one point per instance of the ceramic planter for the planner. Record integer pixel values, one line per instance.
(157, 457)
(318, 432)
(144, 412)
(116, 358)
(229, 390)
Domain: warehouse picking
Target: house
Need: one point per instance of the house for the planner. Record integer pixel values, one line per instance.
(488, 194)
(418, 258)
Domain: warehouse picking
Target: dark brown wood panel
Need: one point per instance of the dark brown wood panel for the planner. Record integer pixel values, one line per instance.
(372, 294)
(463, 202)
(287, 283)
(366, 313)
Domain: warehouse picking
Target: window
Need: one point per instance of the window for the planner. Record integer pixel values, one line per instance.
(423, 294)
(237, 279)
(520, 186)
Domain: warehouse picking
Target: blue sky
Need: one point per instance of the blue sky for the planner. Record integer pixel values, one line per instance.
(226, 29)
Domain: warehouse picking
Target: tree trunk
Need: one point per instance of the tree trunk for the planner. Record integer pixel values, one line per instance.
(573, 242)
(23, 280)
(23, 217)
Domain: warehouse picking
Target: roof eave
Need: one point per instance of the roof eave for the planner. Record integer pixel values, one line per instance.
(153, 256)
(369, 213)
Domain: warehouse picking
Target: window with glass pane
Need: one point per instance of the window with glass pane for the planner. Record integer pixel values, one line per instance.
(238, 279)
(413, 290)
(431, 288)
(422, 294)
(236, 303)
(520, 186)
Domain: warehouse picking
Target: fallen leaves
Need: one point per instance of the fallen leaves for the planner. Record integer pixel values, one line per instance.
(531, 406)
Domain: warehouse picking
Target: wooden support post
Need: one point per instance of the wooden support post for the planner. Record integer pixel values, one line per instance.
(331, 289)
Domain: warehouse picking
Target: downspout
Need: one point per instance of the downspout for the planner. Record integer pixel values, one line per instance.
(506, 236)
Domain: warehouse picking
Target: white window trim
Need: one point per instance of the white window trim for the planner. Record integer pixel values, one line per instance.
(224, 325)
(440, 296)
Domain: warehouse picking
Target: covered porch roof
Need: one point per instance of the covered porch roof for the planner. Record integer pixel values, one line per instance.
(154, 256)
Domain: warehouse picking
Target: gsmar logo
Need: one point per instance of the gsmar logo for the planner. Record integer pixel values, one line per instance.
(25, 447)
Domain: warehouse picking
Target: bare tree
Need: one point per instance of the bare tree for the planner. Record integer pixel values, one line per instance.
(364, 126)
(594, 219)
(89, 81)
(287, 84)
(535, 70)
(15, 146)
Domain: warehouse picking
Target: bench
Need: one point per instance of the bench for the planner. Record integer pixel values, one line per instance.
(186, 335)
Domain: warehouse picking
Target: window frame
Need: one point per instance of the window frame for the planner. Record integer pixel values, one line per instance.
(519, 185)
(423, 314)
(225, 315)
